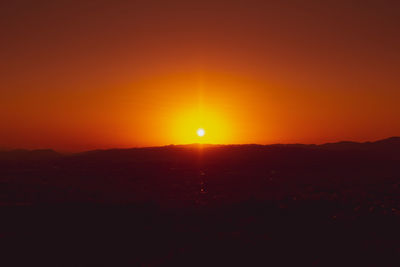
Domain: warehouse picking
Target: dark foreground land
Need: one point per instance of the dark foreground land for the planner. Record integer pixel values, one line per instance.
(282, 205)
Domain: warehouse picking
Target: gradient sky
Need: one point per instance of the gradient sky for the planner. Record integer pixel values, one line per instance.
(78, 75)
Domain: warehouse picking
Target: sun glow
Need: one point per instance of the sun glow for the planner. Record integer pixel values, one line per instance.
(186, 130)
(201, 132)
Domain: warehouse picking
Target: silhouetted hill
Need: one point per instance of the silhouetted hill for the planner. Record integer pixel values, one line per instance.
(173, 153)
(389, 144)
(155, 153)
(334, 204)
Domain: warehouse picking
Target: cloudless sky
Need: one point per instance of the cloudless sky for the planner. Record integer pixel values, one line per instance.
(77, 75)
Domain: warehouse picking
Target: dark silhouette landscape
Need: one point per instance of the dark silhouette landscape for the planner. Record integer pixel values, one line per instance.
(249, 92)
(335, 204)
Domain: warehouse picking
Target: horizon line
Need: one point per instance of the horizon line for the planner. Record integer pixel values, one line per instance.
(189, 144)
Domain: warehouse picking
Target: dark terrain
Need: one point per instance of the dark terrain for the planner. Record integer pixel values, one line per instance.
(248, 205)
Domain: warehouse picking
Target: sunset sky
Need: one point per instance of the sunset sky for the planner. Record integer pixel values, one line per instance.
(79, 75)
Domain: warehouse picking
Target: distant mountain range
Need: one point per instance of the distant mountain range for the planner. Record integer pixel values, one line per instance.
(389, 145)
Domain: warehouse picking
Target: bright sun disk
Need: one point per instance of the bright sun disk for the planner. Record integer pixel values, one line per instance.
(200, 132)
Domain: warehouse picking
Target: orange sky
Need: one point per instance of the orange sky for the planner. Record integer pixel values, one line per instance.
(78, 75)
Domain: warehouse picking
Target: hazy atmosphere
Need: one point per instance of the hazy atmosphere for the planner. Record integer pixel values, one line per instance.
(200, 133)
(79, 75)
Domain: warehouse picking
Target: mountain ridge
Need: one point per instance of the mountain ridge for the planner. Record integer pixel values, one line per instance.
(387, 143)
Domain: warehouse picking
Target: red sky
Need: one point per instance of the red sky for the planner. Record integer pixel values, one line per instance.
(79, 75)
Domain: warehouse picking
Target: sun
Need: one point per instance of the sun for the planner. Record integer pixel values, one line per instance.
(191, 125)
(201, 132)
